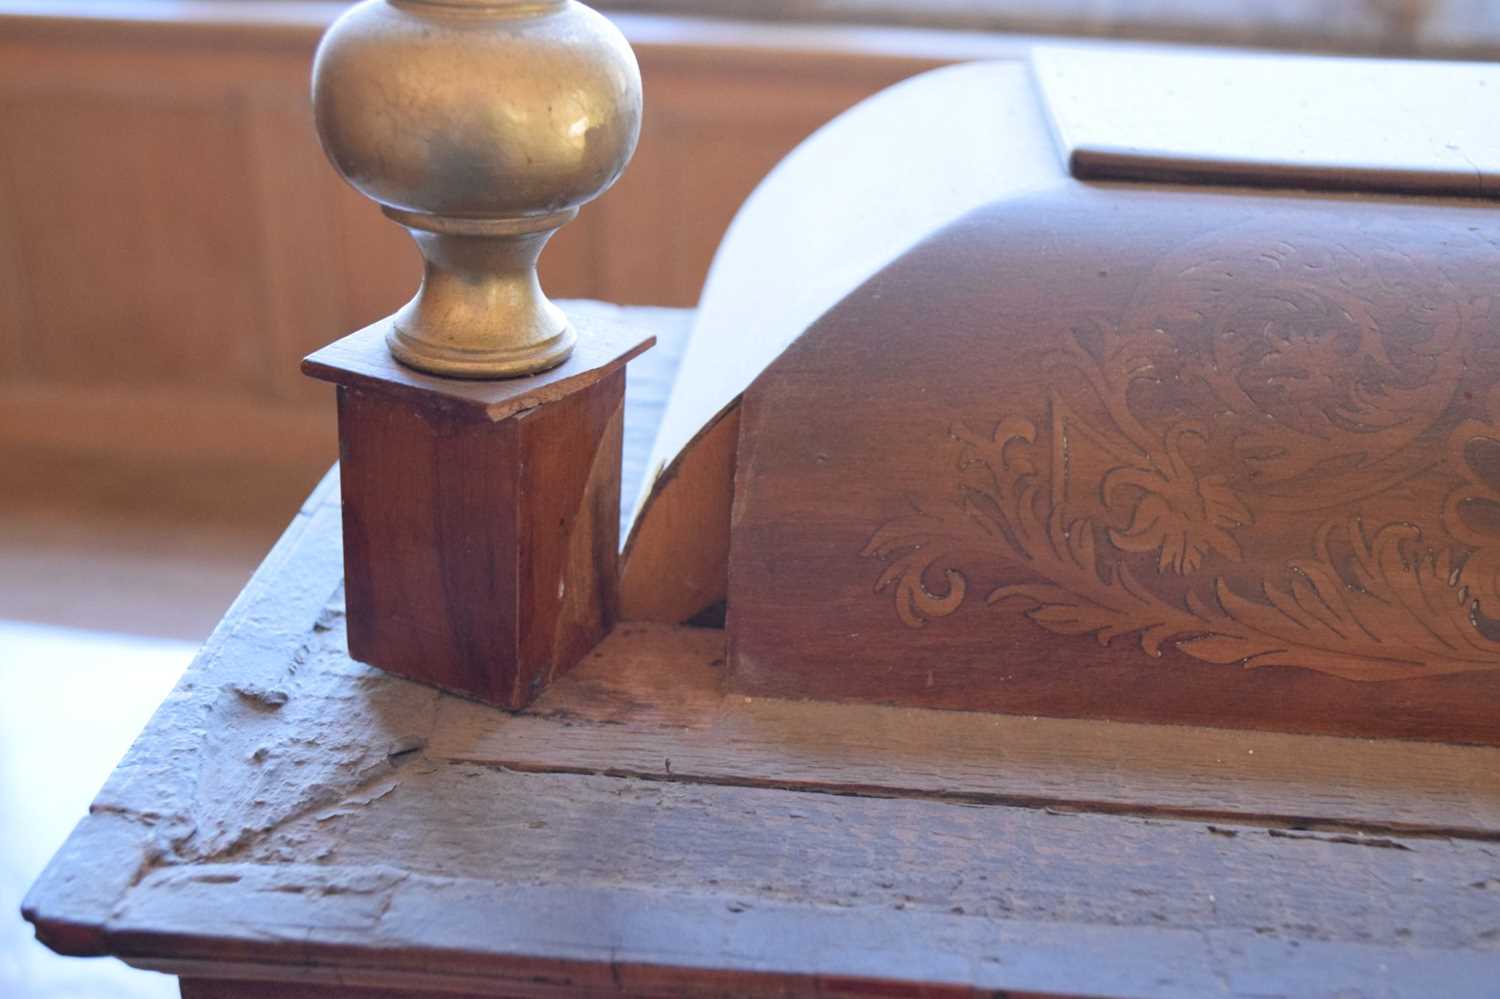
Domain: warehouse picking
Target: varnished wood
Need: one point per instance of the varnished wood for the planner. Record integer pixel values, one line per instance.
(347, 812)
(676, 563)
(494, 570)
(481, 517)
(1431, 671)
(1198, 457)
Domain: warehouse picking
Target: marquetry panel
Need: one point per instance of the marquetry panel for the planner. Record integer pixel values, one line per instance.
(1229, 460)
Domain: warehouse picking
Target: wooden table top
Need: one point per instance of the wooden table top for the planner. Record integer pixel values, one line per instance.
(291, 814)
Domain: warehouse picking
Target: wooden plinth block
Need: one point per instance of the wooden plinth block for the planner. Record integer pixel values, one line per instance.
(481, 519)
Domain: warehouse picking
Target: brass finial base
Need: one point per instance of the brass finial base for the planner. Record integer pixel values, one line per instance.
(463, 363)
(480, 313)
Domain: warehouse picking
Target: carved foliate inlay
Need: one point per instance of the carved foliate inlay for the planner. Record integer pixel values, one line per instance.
(1284, 452)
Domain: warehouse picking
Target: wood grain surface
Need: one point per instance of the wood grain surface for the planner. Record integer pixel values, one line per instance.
(653, 703)
(338, 838)
(481, 524)
(481, 557)
(1144, 454)
(676, 561)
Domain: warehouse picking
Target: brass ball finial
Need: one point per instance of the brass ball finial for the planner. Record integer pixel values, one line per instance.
(481, 126)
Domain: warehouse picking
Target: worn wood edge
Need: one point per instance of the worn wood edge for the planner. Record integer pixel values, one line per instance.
(439, 869)
(116, 840)
(651, 703)
(676, 559)
(542, 941)
(534, 940)
(362, 361)
(70, 902)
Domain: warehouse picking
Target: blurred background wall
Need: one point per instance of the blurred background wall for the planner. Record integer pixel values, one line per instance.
(172, 240)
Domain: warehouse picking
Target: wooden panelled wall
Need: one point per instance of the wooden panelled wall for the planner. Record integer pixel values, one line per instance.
(172, 240)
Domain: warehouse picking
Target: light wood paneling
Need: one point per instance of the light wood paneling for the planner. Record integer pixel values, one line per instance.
(112, 216)
(169, 226)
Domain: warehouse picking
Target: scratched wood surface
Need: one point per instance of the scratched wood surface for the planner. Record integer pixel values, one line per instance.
(293, 816)
(653, 702)
(1141, 453)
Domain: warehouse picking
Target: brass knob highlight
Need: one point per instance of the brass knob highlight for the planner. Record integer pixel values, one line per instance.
(481, 126)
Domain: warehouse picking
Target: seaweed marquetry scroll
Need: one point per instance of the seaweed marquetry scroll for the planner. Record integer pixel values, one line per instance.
(1313, 409)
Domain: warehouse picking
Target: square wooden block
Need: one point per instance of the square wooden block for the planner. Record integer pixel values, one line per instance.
(481, 518)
